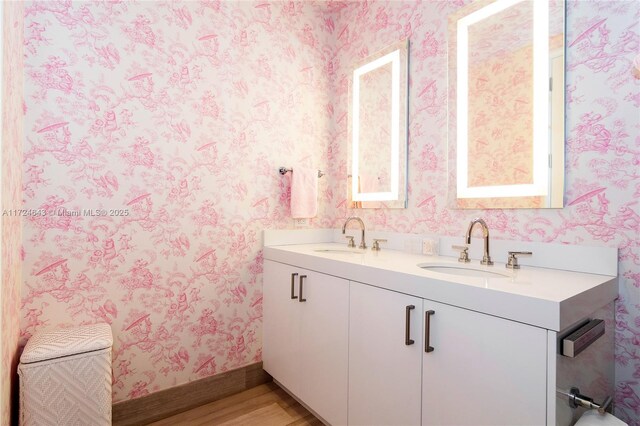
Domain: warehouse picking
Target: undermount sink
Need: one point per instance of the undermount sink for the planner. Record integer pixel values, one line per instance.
(461, 270)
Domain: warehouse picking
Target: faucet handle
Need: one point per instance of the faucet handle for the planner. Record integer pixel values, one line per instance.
(350, 243)
(464, 253)
(376, 244)
(512, 261)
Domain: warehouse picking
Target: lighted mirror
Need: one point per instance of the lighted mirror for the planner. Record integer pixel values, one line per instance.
(506, 104)
(377, 165)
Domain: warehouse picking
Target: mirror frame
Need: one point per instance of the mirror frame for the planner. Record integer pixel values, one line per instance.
(398, 56)
(526, 195)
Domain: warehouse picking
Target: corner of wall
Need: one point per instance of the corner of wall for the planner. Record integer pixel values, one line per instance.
(11, 199)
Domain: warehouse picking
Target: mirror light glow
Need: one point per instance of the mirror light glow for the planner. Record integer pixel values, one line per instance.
(540, 185)
(394, 59)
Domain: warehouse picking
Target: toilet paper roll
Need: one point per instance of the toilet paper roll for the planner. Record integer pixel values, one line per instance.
(593, 418)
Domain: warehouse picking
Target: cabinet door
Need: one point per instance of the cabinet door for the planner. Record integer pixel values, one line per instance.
(384, 371)
(324, 325)
(280, 328)
(305, 342)
(483, 370)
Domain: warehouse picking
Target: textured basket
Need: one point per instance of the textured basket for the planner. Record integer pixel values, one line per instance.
(65, 377)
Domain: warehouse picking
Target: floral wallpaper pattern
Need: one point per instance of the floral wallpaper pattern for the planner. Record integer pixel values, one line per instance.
(602, 150)
(153, 135)
(496, 144)
(174, 116)
(12, 117)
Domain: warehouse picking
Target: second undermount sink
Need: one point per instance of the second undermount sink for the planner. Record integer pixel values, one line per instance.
(446, 268)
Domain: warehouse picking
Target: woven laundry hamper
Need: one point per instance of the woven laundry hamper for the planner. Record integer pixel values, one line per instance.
(65, 377)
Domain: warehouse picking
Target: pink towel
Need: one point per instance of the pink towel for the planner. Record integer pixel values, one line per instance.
(304, 192)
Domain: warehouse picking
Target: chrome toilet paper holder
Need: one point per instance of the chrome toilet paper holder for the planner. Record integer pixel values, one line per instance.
(576, 399)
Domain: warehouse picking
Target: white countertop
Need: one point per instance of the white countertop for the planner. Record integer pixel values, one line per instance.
(547, 298)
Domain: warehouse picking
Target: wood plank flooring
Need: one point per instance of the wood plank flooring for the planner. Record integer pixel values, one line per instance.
(264, 405)
(177, 399)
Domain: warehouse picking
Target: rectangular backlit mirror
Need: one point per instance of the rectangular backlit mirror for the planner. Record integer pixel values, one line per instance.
(378, 92)
(506, 98)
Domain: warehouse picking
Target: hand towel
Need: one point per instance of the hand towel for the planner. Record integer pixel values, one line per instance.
(304, 192)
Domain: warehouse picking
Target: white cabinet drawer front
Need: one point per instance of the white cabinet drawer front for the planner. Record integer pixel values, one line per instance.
(306, 337)
(483, 370)
(324, 320)
(384, 372)
(280, 332)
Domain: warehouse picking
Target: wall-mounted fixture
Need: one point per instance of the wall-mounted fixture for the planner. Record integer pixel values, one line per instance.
(285, 170)
(378, 94)
(506, 104)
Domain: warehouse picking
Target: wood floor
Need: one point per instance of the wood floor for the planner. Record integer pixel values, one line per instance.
(264, 405)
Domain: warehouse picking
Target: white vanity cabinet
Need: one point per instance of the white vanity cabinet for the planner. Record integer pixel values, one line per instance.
(384, 357)
(480, 369)
(305, 340)
(355, 352)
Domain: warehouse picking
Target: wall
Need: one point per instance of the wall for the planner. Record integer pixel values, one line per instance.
(11, 228)
(176, 115)
(180, 113)
(603, 146)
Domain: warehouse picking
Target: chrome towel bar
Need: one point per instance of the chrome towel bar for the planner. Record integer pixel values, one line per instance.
(582, 337)
(284, 171)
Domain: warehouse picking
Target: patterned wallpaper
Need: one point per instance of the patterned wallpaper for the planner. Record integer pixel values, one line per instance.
(603, 146)
(153, 135)
(174, 116)
(500, 140)
(12, 117)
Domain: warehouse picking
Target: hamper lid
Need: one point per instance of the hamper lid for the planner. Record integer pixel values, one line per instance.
(63, 342)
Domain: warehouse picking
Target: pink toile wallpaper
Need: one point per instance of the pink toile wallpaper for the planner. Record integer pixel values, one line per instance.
(174, 116)
(603, 146)
(11, 155)
(505, 80)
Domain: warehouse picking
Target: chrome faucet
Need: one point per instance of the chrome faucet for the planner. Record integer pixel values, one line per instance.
(362, 245)
(486, 259)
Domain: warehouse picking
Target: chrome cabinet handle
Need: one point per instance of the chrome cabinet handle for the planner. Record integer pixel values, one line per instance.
(302, 277)
(427, 327)
(407, 325)
(293, 278)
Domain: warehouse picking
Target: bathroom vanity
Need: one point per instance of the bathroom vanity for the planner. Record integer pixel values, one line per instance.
(364, 337)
